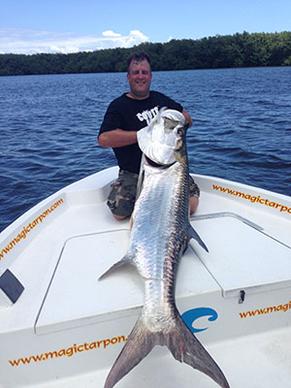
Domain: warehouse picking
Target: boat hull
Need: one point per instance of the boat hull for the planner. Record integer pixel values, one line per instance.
(65, 328)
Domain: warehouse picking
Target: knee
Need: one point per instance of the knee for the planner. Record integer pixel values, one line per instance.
(193, 204)
(121, 208)
(120, 218)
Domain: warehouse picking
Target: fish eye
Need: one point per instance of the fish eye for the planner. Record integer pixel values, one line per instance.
(180, 131)
(169, 123)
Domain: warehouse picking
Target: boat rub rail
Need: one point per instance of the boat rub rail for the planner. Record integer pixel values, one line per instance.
(253, 198)
(29, 227)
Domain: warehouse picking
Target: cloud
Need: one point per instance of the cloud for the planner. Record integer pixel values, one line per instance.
(31, 41)
(110, 34)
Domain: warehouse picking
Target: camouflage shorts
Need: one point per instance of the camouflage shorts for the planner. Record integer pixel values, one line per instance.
(122, 196)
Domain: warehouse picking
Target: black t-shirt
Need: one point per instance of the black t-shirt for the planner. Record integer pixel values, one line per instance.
(131, 115)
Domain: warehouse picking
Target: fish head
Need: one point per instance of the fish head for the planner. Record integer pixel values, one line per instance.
(161, 140)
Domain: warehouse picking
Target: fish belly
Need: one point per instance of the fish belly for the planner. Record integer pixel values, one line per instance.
(154, 221)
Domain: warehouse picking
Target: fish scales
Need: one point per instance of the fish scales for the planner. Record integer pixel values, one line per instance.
(153, 235)
(156, 243)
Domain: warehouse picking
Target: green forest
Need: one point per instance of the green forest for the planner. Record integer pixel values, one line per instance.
(238, 50)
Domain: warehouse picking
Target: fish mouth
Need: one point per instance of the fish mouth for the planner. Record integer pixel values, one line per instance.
(173, 116)
(160, 140)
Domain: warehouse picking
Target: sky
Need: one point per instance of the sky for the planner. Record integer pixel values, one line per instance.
(69, 26)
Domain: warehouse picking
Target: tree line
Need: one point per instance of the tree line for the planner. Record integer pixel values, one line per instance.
(238, 50)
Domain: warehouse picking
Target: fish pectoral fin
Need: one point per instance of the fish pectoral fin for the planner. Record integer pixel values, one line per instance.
(140, 342)
(193, 234)
(186, 348)
(127, 259)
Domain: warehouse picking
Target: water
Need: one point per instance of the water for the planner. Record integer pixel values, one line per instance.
(48, 126)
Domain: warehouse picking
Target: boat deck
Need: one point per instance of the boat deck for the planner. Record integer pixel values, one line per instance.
(61, 327)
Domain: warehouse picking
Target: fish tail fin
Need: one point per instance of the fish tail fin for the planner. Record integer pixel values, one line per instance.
(185, 347)
(139, 343)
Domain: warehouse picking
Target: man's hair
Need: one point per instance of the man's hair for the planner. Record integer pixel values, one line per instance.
(138, 57)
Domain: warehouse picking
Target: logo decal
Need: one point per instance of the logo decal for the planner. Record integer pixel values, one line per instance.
(191, 316)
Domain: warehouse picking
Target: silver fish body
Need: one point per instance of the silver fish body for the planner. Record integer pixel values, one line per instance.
(159, 236)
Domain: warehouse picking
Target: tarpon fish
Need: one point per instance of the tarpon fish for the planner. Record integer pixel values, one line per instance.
(159, 236)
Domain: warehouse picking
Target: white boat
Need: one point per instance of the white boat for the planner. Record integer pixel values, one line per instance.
(61, 327)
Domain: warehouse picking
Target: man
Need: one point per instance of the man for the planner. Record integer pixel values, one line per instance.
(124, 117)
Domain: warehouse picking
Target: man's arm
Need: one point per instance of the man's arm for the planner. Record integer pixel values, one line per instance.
(117, 138)
(120, 138)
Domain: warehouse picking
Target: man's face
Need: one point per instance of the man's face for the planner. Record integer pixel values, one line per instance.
(139, 78)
